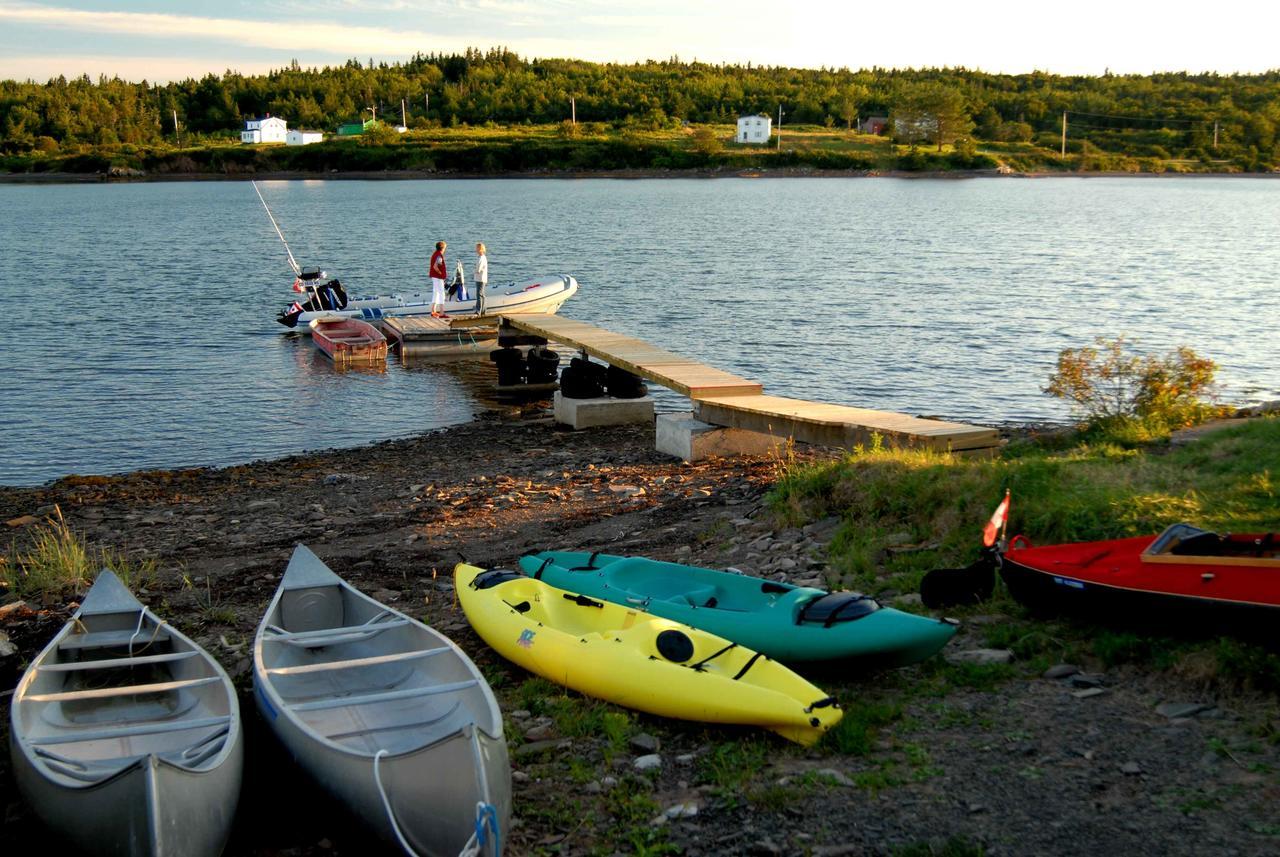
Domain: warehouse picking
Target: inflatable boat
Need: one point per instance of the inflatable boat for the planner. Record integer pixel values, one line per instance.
(542, 296)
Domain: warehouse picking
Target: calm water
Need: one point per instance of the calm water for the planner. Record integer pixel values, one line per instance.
(142, 331)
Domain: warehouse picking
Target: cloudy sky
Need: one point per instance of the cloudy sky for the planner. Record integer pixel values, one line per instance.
(160, 40)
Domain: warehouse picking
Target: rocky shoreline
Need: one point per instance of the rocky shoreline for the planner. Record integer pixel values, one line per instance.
(974, 754)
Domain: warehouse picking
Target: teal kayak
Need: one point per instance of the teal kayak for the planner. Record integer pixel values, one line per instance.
(782, 621)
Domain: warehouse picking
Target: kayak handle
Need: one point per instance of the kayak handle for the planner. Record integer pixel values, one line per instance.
(640, 602)
(582, 600)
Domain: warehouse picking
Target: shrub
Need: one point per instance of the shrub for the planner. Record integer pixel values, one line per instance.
(59, 561)
(1108, 385)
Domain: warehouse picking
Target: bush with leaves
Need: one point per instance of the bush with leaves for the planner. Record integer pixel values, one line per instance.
(1109, 386)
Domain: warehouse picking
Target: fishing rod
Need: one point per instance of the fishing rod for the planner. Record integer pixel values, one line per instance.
(293, 263)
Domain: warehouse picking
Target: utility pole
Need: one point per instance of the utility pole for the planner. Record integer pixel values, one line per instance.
(573, 110)
(1064, 133)
(403, 122)
(779, 127)
(179, 139)
(1215, 135)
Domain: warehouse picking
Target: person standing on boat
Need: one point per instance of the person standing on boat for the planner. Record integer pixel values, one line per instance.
(439, 272)
(482, 277)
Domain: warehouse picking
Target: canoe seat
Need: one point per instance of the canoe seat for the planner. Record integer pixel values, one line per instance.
(679, 592)
(384, 696)
(330, 636)
(116, 663)
(127, 690)
(352, 663)
(395, 727)
(72, 736)
(113, 639)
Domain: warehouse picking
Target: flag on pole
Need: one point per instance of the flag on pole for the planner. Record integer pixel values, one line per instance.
(999, 519)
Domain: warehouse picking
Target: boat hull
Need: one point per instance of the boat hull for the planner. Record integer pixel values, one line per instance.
(349, 340)
(151, 808)
(1110, 581)
(761, 615)
(126, 736)
(373, 703)
(640, 661)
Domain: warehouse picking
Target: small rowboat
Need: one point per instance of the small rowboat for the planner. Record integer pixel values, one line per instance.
(638, 660)
(385, 712)
(126, 735)
(786, 622)
(349, 340)
(1183, 575)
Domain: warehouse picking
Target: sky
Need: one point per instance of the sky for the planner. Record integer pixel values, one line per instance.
(162, 40)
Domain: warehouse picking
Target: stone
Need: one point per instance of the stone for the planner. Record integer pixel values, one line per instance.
(910, 598)
(7, 649)
(1175, 710)
(689, 439)
(519, 777)
(1089, 692)
(645, 743)
(685, 759)
(604, 411)
(1061, 671)
(651, 762)
(1083, 680)
(688, 809)
(983, 657)
(533, 748)
(21, 521)
(833, 774)
(16, 608)
(1130, 769)
(540, 732)
(823, 529)
(521, 714)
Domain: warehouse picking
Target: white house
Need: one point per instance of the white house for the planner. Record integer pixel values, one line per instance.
(268, 129)
(754, 129)
(298, 137)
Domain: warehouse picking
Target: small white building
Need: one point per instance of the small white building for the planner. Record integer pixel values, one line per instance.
(754, 129)
(298, 137)
(268, 129)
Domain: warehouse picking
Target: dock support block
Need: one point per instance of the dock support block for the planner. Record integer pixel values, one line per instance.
(591, 413)
(684, 437)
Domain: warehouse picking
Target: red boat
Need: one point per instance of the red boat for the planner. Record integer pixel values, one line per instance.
(1184, 572)
(349, 340)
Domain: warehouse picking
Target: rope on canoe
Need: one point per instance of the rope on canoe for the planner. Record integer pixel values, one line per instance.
(386, 804)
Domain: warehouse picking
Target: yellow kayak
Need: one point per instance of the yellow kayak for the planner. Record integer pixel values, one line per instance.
(638, 660)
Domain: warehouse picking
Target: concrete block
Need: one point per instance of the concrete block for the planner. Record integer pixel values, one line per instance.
(590, 413)
(681, 435)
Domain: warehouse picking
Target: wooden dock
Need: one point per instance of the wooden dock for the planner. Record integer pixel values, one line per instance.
(724, 399)
(424, 336)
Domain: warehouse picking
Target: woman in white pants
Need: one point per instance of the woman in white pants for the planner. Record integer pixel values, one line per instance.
(482, 277)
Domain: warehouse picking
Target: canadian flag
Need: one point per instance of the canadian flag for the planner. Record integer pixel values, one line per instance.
(297, 286)
(999, 518)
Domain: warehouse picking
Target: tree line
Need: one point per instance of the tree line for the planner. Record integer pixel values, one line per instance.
(1212, 117)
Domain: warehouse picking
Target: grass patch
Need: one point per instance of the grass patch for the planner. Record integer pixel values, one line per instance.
(731, 767)
(855, 734)
(59, 562)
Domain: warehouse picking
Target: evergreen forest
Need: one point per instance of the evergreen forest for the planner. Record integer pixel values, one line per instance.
(494, 112)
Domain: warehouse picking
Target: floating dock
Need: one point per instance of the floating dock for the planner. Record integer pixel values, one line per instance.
(424, 336)
(723, 399)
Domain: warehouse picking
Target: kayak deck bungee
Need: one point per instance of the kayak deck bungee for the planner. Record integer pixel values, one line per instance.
(786, 622)
(638, 660)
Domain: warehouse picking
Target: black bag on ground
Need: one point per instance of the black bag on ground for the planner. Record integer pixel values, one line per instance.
(582, 379)
(623, 385)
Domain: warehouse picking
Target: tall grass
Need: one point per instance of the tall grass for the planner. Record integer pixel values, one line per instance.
(59, 562)
(1228, 481)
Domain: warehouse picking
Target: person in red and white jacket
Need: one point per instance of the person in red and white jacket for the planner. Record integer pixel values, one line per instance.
(438, 272)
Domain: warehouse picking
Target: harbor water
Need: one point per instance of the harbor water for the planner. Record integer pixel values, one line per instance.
(142, 328)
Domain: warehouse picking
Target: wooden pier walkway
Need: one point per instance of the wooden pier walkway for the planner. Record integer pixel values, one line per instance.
(724, 399)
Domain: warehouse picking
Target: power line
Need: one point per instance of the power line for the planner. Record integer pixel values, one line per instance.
(1138, 118)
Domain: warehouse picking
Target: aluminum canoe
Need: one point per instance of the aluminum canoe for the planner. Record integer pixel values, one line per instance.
(386, 713)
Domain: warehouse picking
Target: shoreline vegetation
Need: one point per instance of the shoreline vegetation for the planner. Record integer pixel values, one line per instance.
(548, 152)
(496, 114)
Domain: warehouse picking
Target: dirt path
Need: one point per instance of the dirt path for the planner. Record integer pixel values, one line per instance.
(943, 758)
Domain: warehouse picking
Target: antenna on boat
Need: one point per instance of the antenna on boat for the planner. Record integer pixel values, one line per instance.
(293, 263)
